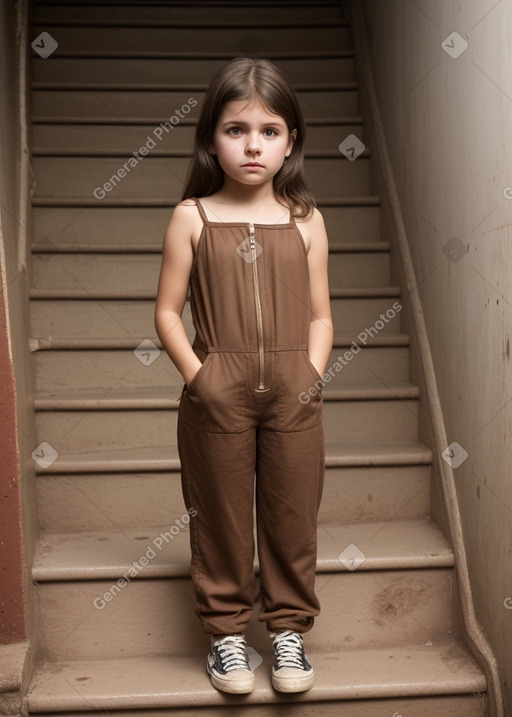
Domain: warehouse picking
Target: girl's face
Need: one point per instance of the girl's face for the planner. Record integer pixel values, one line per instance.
(250, 142)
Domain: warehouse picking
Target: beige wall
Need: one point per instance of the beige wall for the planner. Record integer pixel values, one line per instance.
(448, 124)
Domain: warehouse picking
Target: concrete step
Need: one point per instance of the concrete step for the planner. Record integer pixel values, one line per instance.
(100, 370)
(283, 15)
(113, 228)
(123, 427)
(376, 596)
(123, 319)
(95, 502)
(139, 272)
(74, 73)
(123, 139)
(130, 343)
(151, 177)
(258, 38)
(440, 679)
(152, 106)
(107, 555)
(133, 459)
(103, 619)
(157, 398)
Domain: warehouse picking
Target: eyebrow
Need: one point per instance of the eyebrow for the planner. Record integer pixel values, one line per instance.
(274, 123)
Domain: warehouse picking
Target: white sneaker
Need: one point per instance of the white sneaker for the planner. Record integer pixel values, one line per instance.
(291, 671)
(228, 665)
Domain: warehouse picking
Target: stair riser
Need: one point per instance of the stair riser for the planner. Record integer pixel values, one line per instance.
(72, 370)
(114, 227)
(123, 319)
(79, 431)
(101, 502)
(153, 177)
(369, 610)
(125, 138)
(116, 104)
(200, 13)
(420, 706)
(224, 40)
(178, 71)
(125, 272)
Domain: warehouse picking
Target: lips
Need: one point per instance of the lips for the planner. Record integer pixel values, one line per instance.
(252, 164)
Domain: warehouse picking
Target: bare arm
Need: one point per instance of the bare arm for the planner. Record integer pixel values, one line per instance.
(320, 327)
(177, 259)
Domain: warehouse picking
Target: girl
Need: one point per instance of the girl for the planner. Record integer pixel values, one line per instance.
(249, 241)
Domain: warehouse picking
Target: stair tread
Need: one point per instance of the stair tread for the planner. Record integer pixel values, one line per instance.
(159, 397)
(163, 458)
(165, 681)
(371, 545)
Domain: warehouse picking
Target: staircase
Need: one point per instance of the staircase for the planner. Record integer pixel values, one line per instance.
(116, 627)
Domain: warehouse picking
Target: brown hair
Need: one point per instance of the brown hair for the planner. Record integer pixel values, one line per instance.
(242, 79)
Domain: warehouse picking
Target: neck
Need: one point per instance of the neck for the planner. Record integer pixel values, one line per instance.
(234, 193)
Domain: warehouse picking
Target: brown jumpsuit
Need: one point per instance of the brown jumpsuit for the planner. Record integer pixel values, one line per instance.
(241, 416)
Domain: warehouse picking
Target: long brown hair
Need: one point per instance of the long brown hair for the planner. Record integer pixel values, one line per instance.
(243, 79)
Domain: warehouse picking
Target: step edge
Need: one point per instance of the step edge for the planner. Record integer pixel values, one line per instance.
(468, 680)
(80, 402)
(152, 121)
(402, 454)
(45, 570)
(362, 247)
(377, 292)
(366, 200)
(199, 55)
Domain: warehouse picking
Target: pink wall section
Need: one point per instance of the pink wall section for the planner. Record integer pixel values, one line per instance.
(13, 612)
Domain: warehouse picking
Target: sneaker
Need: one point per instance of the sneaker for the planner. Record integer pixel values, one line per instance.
(291, 671)
(228, 665)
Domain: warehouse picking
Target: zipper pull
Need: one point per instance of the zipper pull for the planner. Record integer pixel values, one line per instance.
(251, 236)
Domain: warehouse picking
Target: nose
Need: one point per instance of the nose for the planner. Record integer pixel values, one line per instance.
(253, 144)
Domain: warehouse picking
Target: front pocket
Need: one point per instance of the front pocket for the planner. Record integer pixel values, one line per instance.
(312, 368)
(199, 374)
(299, 392)
(215, 400)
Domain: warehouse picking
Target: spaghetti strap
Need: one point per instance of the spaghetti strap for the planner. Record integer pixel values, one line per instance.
(201, 210)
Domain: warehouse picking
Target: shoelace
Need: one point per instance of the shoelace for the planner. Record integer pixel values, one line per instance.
(232, 652)
(289, 650)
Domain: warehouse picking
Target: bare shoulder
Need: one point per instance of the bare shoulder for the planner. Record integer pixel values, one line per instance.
(185, 222)
(312, 228)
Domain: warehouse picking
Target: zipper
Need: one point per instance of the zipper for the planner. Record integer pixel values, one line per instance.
(259, 318)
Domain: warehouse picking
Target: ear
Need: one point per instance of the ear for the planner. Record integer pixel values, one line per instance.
(293, 136)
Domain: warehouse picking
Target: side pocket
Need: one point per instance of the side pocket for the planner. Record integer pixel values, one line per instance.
(311, 367)
(198, 375)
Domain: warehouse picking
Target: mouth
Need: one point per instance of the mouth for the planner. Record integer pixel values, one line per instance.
(252, 164)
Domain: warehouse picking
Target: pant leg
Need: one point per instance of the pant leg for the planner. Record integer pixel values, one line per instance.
(289, 484)
(217, 471)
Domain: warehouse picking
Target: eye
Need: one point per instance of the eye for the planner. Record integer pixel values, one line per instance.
(235, 131)
(270, 132)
